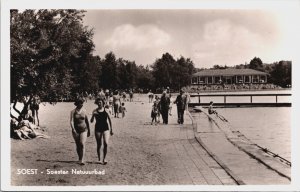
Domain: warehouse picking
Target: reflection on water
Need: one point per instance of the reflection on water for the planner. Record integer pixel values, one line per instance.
(269, 127)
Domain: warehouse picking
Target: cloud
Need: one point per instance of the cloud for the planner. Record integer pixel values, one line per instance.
(127, 36)
(224, 42)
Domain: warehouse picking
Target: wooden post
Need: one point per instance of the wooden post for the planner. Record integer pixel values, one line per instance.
(276, 98)
(224, 99)
(251, 98)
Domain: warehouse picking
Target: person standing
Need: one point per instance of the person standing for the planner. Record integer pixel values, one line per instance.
(103, 128)
(80, 128)
(34, 107)
(164, 107)
(181, 106)
(150, 95)
(116, 103)
(131, 96)
(123, 110)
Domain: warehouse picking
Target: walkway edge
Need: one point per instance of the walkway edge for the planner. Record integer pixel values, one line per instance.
(227, 170)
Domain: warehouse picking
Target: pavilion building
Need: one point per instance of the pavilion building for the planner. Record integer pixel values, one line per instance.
(229, 76)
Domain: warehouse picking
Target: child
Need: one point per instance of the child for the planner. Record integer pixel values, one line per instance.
(122, 110)
(154, 113)
(210, 108)
(157, 101)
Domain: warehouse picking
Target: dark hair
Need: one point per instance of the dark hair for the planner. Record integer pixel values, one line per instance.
(123, 104)
(78, 101)
(98, 100)
(211, 102)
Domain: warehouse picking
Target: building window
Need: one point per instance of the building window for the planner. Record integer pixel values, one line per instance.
(218, 80)
(255, 79)
(202, 80)
(209, 80)
(239, 79)
(194, 80)
(263, 79)
(247, 79)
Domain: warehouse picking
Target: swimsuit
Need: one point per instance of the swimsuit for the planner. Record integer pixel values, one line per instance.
(101, 121)
(79, 122)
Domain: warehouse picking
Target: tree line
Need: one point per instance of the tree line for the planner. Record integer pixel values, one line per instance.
(52, 57)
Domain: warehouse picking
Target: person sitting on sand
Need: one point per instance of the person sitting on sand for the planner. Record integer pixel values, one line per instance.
(102, 127)
(80, 128)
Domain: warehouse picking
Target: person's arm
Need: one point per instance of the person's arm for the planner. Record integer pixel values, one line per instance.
(71, 122)
(175, 102)
(93, 116)
(110, 124)
(87, 125)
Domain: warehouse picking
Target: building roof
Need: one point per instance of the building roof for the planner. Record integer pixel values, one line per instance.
(228, 72)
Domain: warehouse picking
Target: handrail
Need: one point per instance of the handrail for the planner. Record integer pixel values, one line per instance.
(237, 95)
(276, 95)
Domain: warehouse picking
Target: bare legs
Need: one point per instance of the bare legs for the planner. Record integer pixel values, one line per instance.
(35, 113)
(80, 140)
(99, 136)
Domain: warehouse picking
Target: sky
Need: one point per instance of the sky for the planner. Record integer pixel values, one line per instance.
(207, 36)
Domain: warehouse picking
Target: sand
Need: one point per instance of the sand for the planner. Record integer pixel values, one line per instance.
(134, 155)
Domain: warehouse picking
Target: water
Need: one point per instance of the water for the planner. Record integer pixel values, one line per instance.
(269, 127)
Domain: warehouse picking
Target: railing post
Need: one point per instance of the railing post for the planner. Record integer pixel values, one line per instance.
(276, 98)
(224, 99)
(251, 98)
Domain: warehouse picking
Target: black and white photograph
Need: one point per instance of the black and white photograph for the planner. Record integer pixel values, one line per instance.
(156, 96)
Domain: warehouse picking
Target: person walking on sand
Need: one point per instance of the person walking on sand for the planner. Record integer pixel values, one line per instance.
(80, 128)
(123, 110)
(131, 96)
(150, 95)
(154, 113)
(103, 128)
(181, 106)
(164, 107)
(116, 103)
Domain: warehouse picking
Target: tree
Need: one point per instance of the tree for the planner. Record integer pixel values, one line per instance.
(145, 79)
(162, 69)
(183, 71)
(281, 75)
(256, 64)
(48, 49)
(109, 77)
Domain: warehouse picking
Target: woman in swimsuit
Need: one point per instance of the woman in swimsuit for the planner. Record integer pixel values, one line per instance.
(80, 128)
(102, 127)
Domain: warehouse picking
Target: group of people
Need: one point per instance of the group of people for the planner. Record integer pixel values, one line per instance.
(80, 126)
(26, 124)
(24, 129)
(163, 106)
(114, 102)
